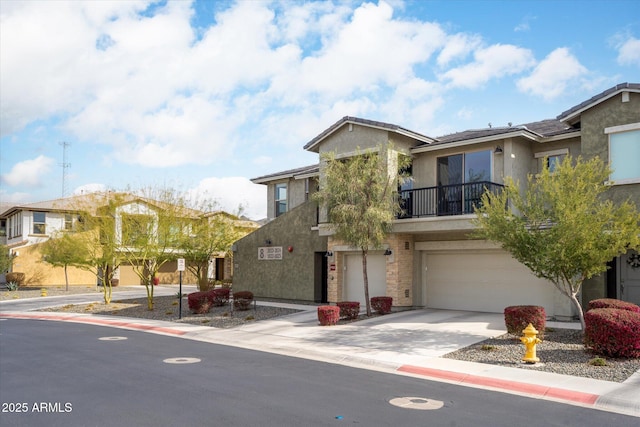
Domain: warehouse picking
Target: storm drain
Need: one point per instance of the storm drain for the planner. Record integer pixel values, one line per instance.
(112, 338)
(181, 360)
(416, 403)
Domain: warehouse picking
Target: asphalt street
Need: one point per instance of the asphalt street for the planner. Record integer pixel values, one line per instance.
(71, 374)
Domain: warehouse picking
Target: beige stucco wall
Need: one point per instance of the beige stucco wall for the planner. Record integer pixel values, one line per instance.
(612, 112)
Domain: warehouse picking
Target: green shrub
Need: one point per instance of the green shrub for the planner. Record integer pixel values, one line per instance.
(328, 315)
(613, 303)
(349, 309)
(518, 317)
(16, 278)
(382, 305)
(613, 332)
(12, 286)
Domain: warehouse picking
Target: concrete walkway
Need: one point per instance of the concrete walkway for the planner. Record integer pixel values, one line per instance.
(406, 343)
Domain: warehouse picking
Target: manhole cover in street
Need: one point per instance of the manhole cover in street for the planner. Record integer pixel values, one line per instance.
(416, 403)
(182, 360)
(112, 338)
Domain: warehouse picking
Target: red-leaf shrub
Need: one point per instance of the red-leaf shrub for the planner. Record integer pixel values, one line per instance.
(382, 305)
(219, 296)
(328, 315)
(518, 317)
(613, 332)
(199, 302)
(349, 309)
(613, 303)
(242, 300)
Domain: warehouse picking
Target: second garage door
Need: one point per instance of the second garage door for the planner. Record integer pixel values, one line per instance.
(485, 281)
(376, 273)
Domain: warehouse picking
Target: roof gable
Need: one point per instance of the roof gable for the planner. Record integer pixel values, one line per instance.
(574, 112)
(313, 144)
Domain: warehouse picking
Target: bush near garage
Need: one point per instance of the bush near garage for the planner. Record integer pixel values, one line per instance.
(613, 332)
(349, 309)
(242, 300)
(328, 315)
(199, 302)
(613, 303)
(219, 296)
(518, 317)
(382, 305)
(15, 278)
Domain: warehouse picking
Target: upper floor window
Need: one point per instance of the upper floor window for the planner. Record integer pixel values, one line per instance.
(624, 153)
(68, 222)
(553, 159)
(281, 199)
(464, 168)
(39, 223)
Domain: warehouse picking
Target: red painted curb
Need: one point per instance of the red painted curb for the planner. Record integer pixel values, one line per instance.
(539, 390)
(103, 322)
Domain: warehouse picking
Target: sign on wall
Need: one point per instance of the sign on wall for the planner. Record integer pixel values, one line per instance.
(270, 252)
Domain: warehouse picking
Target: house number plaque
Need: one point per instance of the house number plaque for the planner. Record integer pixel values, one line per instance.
(270, 253)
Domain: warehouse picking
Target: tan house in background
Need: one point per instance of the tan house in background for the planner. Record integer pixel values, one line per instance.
(23, 228)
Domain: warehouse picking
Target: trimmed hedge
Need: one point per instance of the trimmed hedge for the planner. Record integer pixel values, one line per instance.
(15, 278)
(349, 309)
(328, 315)
(613, 303)
(613, 332)
(242, 300)
(199, 302)
(382, 305)
(219, 296)
(517, 317)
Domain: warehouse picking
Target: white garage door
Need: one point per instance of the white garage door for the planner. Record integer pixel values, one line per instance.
(485, 281)
(354, 282)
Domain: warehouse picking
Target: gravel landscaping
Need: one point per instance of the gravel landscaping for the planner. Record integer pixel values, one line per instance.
(561, 351)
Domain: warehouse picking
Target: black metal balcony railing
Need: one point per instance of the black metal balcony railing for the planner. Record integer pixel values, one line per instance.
(456, 199)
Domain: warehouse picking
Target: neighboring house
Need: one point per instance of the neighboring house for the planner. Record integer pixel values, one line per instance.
(25, 227)
(430, 258)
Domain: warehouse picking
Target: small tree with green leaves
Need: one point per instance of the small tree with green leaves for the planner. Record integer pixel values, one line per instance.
(563, 228)
(64, 250)
(210, 235)
(360, 193)
(151, 228)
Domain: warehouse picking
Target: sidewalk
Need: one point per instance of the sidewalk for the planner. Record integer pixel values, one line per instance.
(405, 343)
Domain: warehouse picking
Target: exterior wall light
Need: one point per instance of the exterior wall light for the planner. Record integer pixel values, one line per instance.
(388, 252)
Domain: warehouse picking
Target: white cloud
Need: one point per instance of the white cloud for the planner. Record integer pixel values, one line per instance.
(629, 52)
(29, 172)
(458, 46)
(232, 193)
(551, 76)
(490, 63)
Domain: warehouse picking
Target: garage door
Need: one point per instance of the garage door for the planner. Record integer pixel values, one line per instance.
(376, 272)
(485, 281)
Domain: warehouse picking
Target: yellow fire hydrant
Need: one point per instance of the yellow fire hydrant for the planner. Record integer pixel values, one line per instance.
(530, 340)
(43, 292)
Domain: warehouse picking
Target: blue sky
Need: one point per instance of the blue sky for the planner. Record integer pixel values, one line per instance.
(202, 96)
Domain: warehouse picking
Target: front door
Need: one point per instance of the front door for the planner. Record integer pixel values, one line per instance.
(630, 277)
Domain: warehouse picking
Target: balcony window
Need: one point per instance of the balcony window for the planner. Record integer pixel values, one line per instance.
(39, 223)
(281, 199)
(624, 153)
(454, 173)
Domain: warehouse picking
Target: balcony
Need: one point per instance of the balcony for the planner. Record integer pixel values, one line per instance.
(456, 199)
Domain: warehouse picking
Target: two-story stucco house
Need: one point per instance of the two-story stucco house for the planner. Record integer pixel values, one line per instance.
(430, 258)
(27, 226)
